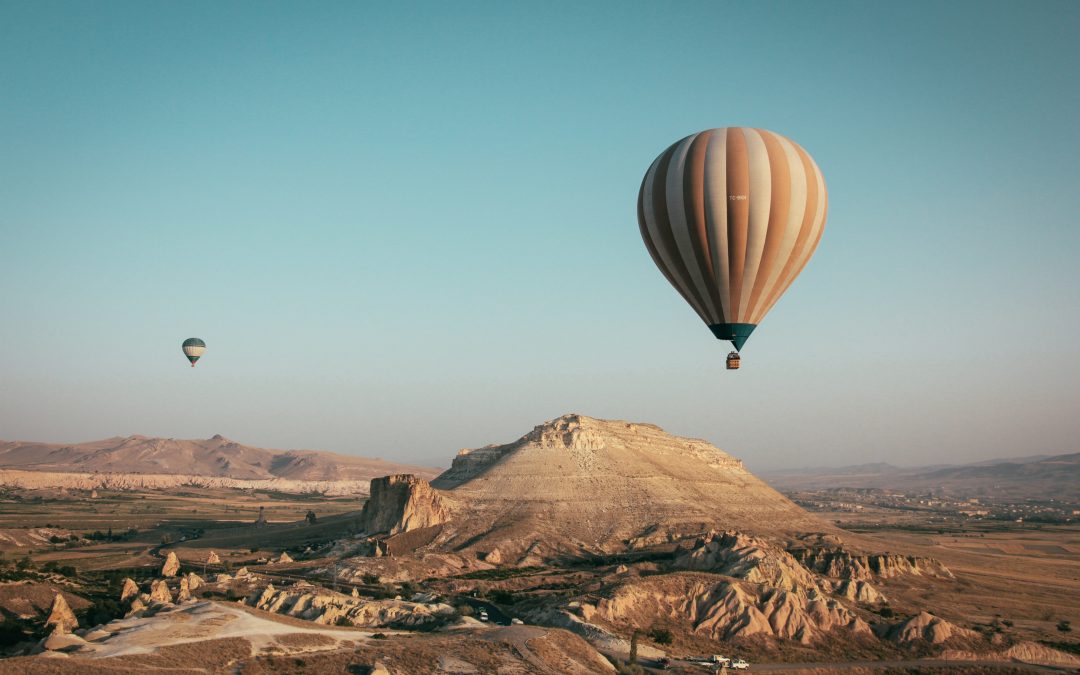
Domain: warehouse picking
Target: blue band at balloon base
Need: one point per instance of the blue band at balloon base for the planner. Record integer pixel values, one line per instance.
(738, 333)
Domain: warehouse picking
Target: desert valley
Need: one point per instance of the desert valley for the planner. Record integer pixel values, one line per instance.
(808, 267)
(585, 546)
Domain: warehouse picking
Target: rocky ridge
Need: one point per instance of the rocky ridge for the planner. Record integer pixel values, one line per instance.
(926, 627)
(320, 606)
(843, 564)
(38, 480)
(144, 463)
(401, 503)
(577, 485)
(580, 487)
(723, 609)
(738, 555)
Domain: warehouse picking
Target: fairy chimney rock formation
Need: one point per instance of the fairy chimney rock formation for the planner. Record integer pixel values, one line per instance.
(61, 615)
(184, 592)
(213, 559)
(129, 590)
(171, 566)
(400, 503)
(159, 592)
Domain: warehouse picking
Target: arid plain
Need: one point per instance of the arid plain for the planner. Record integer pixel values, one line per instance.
(584, 546)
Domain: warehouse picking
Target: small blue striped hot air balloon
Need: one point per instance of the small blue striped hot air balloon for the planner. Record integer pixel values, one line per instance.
(193, 349)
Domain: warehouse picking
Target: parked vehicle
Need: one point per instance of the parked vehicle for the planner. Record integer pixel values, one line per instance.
(483, 615)
(740, 664)
(721, 660)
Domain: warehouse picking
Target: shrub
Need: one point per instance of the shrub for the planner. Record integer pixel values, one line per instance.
(503, 597)
(1064, 626)
(465, 609)
(103, 611)
(14, 631)
(661, 636)
(235, 591)
(370, 578)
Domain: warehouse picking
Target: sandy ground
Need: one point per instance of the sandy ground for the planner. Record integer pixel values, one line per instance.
(213, 620)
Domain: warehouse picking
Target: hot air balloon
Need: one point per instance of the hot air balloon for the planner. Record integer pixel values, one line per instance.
(193, 349)
(731, 216)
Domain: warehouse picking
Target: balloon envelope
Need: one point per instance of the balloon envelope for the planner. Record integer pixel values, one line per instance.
(731, 216)
(193, 349)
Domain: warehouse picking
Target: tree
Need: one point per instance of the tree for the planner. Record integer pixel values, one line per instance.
(1064, 626)
(633, 646)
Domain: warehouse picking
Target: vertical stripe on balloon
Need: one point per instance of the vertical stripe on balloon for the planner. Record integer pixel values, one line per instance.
(716, 210)
(738, 196)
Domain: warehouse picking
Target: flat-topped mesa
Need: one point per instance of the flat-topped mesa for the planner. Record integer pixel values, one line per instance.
(578, 484)
(401, 503)
(579, 437)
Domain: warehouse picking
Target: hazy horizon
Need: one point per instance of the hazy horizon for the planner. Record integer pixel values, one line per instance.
(406, 230)
(750, 462)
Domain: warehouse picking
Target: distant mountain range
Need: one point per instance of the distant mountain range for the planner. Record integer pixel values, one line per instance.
(216, 456)
(1055, 476)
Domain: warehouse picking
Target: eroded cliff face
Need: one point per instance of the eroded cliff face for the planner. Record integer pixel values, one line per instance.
(728, 585)
(401, 503)
(927, 627)
(722, 609)
(312, 604)
(836, 562)
(739, 555)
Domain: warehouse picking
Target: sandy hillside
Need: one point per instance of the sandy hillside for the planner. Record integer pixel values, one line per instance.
(216, 456)
(579, 484)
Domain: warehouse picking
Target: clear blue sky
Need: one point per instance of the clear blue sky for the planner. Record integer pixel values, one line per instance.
(407, 228)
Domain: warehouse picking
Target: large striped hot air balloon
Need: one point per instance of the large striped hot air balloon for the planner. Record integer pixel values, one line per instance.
(731, 216)
(193, 349)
